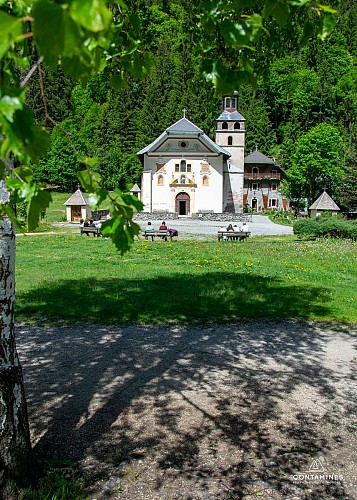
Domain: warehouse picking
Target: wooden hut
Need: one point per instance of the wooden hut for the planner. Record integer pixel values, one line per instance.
(135, 191)
(77, 207)
(324, 203)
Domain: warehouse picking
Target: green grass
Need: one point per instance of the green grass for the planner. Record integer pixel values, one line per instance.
(55, 213)
(73, 278)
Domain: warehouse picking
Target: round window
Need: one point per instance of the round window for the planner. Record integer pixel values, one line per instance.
(183, 144)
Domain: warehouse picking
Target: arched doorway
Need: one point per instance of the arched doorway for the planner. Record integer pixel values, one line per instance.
(182, 204)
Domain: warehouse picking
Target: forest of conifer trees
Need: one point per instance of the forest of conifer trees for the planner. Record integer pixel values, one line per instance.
(303, 109)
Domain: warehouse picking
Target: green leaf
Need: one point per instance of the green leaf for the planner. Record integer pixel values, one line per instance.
(38, 143)
(235, 34)
(49, 30)
(9, 211)
(10, 28)
(92, 162)
(95, 199)
(91, 14)
(298, 3)
(118, 81)
(120, 231)
(278, 10)
(327, 8)
(328, 24)
(89, 180)
(25, 173)
(308, 31)
(38, 203)
(3, 170)
(8, 106)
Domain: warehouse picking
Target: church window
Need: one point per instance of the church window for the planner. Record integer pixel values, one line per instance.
(273, 203)
(183, 166)
(205, 167)
(255, 186)
(230, 140)
(188, 167)
(183, 144)
(160, 180)
(255, 170)
(237, 126)
(205, 181)
(225, 126)
(233, 105)
(228, 102)
(274, 187)
(177, 167)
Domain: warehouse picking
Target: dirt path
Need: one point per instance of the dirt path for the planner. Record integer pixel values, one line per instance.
(213, 412)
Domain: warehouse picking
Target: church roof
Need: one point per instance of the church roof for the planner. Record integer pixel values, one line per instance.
(77, 198)
(184, 128)
(324, 202)
(235, 116)
(257, 157)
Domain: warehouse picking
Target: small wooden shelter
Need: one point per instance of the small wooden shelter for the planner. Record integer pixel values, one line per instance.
(77, 207)
(135, 191)
(324, 203)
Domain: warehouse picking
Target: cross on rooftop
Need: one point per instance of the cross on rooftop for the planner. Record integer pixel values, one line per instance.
(184, 112)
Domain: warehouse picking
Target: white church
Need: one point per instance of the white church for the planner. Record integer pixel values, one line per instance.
(186, 173)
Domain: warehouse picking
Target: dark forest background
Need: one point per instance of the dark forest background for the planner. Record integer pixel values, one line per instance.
(299, 93)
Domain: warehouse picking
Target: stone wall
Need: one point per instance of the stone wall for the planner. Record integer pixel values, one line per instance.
(201, 216)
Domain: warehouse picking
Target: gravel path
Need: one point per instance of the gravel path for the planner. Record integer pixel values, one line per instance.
(212, 412)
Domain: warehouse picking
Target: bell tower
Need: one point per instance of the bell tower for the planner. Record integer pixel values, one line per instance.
(230, 135)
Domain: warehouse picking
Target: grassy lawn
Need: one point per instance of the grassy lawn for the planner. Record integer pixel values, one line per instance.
(55, 213)
(73, 278)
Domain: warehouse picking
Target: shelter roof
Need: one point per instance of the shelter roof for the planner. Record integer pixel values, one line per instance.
(135, 189)
(324, 202)
(77, 198)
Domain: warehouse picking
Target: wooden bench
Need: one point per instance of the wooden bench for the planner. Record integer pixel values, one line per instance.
(233, 235)
(160, 233)
(91, 230)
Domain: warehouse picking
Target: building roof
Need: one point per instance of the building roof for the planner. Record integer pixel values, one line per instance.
(181, 129)
(235, 116)
(77, 198)
(258, 158)
(324, 202)
(135, 189)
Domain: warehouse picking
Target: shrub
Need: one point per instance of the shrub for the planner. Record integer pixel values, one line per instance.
(330, 227)
(308, 228)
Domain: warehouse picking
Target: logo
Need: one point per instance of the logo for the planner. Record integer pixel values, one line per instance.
(316, 473)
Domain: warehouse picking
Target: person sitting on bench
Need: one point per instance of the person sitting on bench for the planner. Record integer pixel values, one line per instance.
(149, 227)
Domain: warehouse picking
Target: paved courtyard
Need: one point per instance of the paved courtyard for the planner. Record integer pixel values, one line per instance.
(260, 226)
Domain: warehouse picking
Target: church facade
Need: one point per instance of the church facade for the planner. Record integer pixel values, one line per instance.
(186, 173)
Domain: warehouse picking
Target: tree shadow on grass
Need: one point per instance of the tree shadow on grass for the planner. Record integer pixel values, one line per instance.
(228, 410)
(212, 296)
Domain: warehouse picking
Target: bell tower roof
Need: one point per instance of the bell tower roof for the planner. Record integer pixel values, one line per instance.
(230, 109)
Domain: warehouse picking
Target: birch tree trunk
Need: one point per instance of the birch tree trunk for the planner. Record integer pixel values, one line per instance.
(16, 460)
